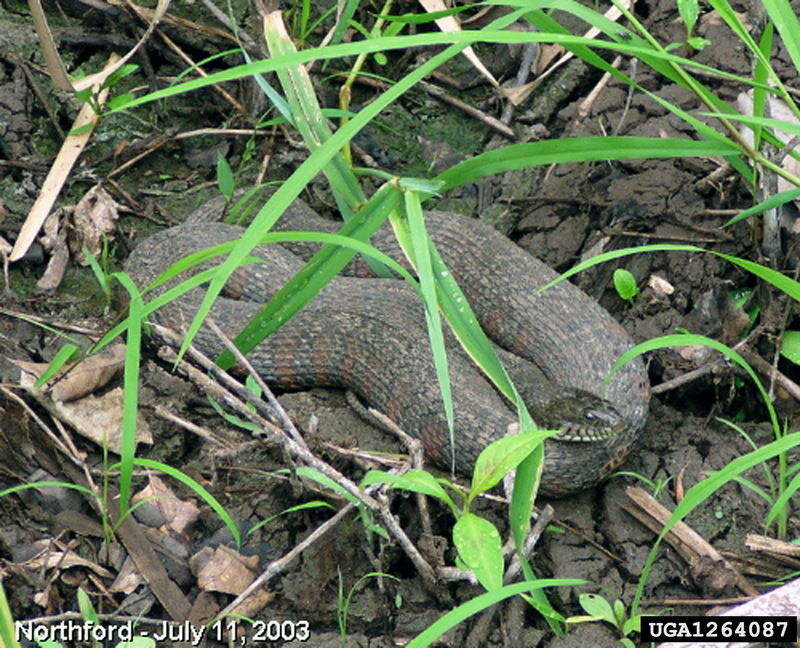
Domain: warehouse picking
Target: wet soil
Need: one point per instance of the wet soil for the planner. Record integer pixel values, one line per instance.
(561, 214)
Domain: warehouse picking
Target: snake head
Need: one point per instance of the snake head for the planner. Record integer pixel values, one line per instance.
(580, 416)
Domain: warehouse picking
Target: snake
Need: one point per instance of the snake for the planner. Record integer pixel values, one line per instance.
(369, 335)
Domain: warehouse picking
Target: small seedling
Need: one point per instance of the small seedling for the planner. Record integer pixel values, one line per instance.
(599, 609)
(625, 283)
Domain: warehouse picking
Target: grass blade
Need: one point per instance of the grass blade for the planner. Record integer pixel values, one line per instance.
(578, 149)
(480, 603)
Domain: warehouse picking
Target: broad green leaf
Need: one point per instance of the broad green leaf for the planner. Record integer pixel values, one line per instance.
(790, 346)
(480, 547)
(689, 10)
(625, 284)
(597, 606)
(225, 179)
(415, 481)
(501, 456)
(124, 71)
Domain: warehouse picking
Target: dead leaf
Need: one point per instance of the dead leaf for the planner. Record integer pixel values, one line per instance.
(55, 66)
(59, 258)
(94, 221)
(180, 515)
(98, 419)
(254, 603)
(5, 250)
(67, 156)
(80, 378)
(449, 24)
(223, 570)
(547, 54)
(713, 19)
(776, 109)
(50, 558)
(128, 578)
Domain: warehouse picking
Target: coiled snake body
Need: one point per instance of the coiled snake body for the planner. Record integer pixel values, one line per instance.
(369, 336)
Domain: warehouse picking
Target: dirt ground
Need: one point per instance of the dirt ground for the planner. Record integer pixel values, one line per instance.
(560, 214)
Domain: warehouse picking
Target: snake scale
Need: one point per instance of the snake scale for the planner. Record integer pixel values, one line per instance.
(368, 335)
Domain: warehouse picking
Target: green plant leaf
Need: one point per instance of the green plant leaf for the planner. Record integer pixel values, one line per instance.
(788, 26)
(698, 43)
(417, 246)
(130, 383)
(225, 179)
(315, 475)
(8, 632)
(234, 420)
(65, 354)
(325, 264)
(416, 481)
(480, 547)
(670, 341)
(597, 606)
(633, 624)
(501, 456)
(625, 284)
(315, 504)
(578, 149)
(119, 101)
(482, 602)
(114, 78)
(700, 492)
(421, 18)
(780, 504)
(790, 346)
(772, 202)
(689, 10)
(86, 607)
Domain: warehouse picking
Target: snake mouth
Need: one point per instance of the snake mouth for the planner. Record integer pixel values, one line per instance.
(582, 417)
(573, 433)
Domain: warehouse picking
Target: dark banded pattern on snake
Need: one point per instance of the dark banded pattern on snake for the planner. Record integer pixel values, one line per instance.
(369, 335)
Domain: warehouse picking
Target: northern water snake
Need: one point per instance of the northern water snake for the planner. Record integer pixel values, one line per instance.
(369, 335)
